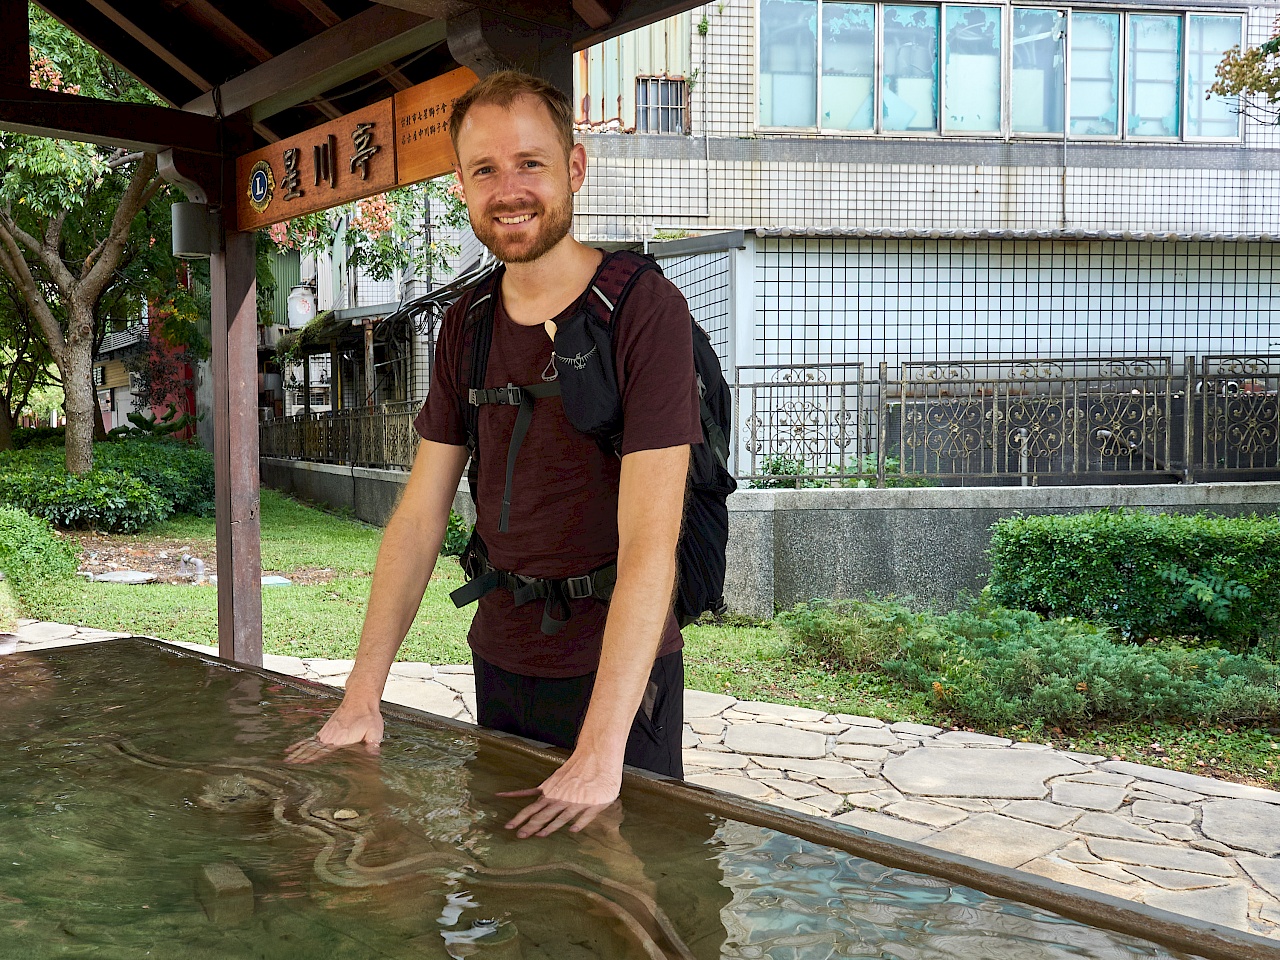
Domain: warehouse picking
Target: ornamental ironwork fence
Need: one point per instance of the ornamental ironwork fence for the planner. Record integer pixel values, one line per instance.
(1031, 421)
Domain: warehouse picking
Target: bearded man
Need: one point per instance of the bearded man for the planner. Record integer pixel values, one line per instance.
(607, 684)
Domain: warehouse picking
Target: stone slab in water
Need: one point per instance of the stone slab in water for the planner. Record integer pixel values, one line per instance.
(225, 893)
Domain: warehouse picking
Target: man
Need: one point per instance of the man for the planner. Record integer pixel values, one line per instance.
(609, 684)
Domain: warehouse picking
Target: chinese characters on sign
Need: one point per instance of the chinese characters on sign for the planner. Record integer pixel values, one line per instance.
(423, 147)
(398, 141)
(342, 160)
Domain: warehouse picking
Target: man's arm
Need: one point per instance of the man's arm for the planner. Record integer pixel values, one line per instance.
(406, 558)
(650, 509)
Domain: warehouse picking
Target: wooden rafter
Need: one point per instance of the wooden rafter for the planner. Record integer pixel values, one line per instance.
(344, 52)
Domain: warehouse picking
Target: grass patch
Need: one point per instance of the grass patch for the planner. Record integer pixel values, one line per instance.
(8, 609)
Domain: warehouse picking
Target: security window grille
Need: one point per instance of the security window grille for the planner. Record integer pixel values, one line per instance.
(661, 105)
(833, 66)
(99, 376)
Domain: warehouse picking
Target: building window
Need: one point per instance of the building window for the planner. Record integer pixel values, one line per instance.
(909, 99)
(972, 80)
(970, 69)
(788, 63)
(1207, 38)
(1154, 76)
(99, 375)
(661, 105)
(848, 66)
(1095, 74)
(1039, 67)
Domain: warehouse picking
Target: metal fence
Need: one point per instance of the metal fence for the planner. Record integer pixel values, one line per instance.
(950, 422)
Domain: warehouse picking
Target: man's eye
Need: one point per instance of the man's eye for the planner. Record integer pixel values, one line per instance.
(532, 163)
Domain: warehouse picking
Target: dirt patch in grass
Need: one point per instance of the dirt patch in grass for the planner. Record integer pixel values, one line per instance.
(163, 557)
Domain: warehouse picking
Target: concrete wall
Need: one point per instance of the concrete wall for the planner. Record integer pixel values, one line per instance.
(786, 546)
(370, 494)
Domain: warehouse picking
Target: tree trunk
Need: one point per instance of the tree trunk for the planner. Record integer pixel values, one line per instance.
(77, 384)
(6, 425)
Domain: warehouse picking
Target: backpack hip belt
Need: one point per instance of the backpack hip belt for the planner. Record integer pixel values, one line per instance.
(485, 578)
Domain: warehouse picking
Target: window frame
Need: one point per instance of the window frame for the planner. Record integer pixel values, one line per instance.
(1243, 16)
(683, 108)
(1006, 131)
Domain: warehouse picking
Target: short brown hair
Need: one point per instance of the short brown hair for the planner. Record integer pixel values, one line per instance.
(502, 89)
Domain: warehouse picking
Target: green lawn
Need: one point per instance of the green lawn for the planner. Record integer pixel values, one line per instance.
(747, 660)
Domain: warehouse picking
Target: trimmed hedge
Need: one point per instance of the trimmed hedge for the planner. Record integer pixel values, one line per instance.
(134, 483)
(30, 551)
(989, 664)
(1148, 575)
(24, 437)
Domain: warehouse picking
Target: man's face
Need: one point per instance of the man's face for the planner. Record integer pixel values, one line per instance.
(516, 179)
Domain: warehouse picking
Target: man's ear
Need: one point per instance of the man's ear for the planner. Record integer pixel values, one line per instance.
(457, 175)
(577, 167)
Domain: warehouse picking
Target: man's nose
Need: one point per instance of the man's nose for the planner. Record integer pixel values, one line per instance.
(510, 185)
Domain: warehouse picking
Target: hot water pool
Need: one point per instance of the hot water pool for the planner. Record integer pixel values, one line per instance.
(146, 811)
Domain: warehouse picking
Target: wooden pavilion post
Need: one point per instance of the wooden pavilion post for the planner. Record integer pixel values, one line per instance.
(234, 309)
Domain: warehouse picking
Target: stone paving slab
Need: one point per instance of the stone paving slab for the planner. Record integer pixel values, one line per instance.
(1197, 846)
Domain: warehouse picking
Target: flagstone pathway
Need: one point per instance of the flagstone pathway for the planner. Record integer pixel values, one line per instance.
(1196, 846)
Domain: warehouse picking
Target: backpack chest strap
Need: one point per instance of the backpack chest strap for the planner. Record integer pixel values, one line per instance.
(524, 398)
(597, 585)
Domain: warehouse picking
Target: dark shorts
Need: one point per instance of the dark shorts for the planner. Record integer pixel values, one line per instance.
(552, 710)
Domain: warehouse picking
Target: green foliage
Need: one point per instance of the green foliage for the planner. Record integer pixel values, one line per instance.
(136, 483)
(455, 536)
(101, 499)
(786, 473)
(1146, 575)
(24, 437)
(30, 552)
(793, 473)
(153, 426)
(992, 665)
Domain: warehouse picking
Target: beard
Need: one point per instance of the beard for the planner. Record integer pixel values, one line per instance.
(553, 225)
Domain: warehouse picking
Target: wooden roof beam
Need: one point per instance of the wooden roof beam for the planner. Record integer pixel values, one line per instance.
(324, 15)
(15, 54)
(135, 126)
(338, 55)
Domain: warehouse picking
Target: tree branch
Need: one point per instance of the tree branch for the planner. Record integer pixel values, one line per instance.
(15, 265)
(49, 258)
(100, 264)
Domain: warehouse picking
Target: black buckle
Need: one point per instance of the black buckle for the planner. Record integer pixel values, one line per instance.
(579, 588)
(515, 396)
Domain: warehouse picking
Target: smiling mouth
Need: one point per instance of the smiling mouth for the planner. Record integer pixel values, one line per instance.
(511, 221)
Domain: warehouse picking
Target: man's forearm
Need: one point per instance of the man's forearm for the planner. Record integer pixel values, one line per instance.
(406, 559)
(405, 562)
(633, 632)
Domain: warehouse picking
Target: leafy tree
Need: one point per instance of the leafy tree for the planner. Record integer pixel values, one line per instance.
(68, 215)
(1253, 75)
(386, 234)
(26, 380)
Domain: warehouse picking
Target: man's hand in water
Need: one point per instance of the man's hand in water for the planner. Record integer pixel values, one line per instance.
(575, 794)
(348, 725)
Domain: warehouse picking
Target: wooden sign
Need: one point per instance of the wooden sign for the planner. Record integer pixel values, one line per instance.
(423, 147)
(343, 160)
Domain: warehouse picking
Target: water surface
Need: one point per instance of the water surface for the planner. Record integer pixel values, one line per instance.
(127, 769)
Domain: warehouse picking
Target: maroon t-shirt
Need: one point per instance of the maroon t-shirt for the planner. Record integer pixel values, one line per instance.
(564, 503)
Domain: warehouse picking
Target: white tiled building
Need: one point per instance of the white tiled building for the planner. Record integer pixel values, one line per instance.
(942, 208)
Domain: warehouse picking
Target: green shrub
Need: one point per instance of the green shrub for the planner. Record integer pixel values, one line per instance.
(107, 500)
(456, 536)
(993, 665)
(135, 482)
(30, 551)
(786, 473)
(1147, 575)
(24, 437)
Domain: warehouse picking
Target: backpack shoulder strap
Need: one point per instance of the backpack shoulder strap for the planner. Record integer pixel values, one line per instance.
(614, 280)
(473, 362)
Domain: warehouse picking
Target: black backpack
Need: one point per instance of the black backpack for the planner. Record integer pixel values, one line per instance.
(587, 385)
